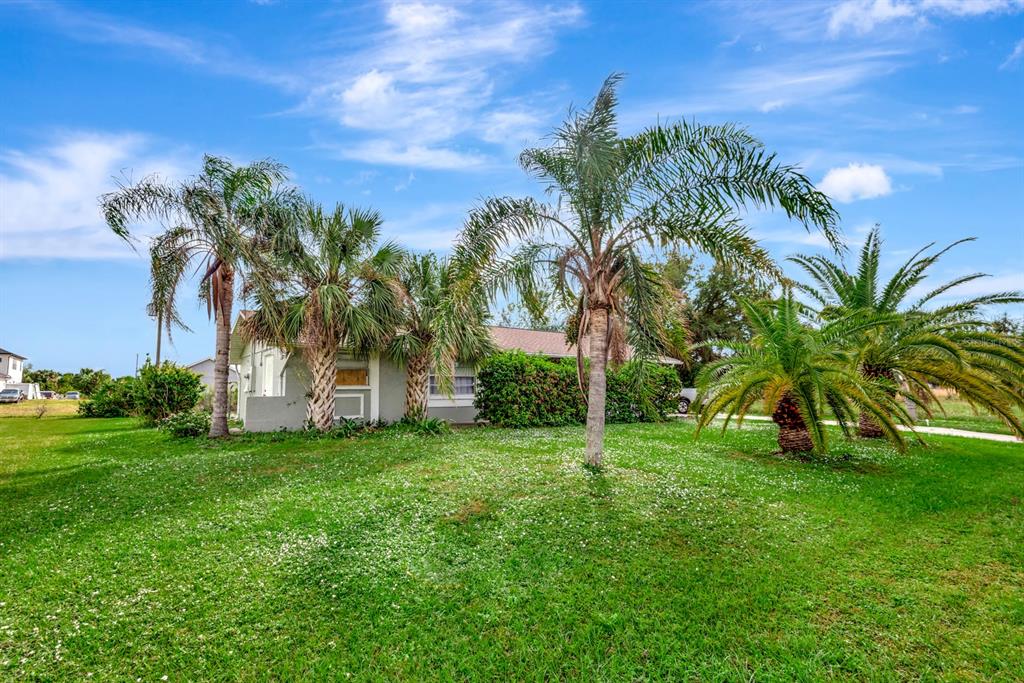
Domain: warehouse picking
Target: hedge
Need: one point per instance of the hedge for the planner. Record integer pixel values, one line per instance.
(514, 389)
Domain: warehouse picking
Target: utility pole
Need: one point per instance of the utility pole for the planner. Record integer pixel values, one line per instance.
(159, 334)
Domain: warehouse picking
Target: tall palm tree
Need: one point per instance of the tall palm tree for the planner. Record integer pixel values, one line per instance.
(797, 371)
(324, 286)
(684, 184)
(441, 323)
(212, 218)
(948, 345)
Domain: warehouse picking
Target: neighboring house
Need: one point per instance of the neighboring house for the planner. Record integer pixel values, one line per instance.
(204, 368)
(12, 369)
(274, 383)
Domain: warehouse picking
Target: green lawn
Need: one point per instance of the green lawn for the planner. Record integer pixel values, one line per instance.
(954, 412)
(492, 555)
(961, 415)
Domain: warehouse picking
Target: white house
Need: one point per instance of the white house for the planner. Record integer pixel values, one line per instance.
(12, 369)
(273, 383)
(204, 368)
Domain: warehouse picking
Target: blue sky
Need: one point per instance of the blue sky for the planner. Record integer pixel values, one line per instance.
(909, 113)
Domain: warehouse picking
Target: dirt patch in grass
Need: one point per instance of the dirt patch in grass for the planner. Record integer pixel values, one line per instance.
(471, 511)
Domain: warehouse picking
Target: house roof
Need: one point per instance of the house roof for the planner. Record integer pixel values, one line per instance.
(542, 342)
(5, 352)
(539, 342)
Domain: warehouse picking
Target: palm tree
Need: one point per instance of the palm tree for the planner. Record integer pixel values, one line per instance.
(441, 323)
(164, 276)
(948, 345)
(213, 219)
(797, 371)
(684, 185)
(326, 285)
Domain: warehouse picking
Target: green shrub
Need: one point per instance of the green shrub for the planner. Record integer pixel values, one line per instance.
(424, 426)
(343, 430)
(186, 423)
(518, 390)
(113, 398)
(166, 390)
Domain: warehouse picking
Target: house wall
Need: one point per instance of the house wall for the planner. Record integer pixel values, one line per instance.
(273, 386)
(9, 365)
(456, 409)
(260, 372)
(204, 369)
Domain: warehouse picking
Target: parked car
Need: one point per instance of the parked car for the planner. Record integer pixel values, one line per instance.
(73, 395)
(49, 394)
(687, 396)
(12, 396)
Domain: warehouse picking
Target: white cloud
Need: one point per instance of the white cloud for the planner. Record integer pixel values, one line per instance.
(994, 284)
(431, 227)
(791, 236)
(1015, 56)
(427, 84)
(404, 185)
(417, 18)
(94, 27)
(789, 82)
(966, 109)
(772, 105)
(50, 196)
(863, 16)
(383, 151)
(856, 181)
(511, 126)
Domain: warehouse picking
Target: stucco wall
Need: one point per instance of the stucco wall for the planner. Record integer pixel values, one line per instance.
(282, 404)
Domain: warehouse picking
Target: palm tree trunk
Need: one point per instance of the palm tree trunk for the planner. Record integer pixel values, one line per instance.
(321, 357)
(222, 320)
(793, 434)
(598, 385)
(416, 386)
(867, 427)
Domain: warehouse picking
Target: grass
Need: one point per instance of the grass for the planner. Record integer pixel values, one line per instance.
(954, 412)
(492, 554)
(54, 408)
(960, 414)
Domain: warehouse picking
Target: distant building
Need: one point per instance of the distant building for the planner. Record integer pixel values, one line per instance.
(12, 369)
(204, 368)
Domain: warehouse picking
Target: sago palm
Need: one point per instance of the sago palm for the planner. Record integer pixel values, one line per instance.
(324, 286)
(925, 344)
(440, 324)
(684, 184)
(212, 220)
(798, 372)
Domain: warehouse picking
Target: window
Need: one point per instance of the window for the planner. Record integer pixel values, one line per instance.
(464, 386)
(351, 377)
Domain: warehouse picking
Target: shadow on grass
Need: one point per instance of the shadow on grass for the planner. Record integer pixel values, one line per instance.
(160, 482)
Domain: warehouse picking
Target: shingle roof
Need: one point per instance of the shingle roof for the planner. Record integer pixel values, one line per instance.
(551, 344)
(540, 342)
(5, 352)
